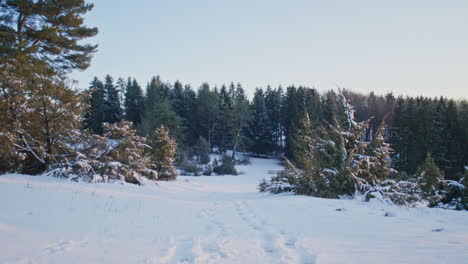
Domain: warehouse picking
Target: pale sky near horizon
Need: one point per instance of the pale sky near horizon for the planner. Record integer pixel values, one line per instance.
(408, 47)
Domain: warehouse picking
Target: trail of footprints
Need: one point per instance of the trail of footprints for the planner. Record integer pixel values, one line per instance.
(279, 246)
(196, 250)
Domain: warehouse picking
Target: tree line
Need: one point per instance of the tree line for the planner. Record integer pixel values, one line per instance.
(268, 124)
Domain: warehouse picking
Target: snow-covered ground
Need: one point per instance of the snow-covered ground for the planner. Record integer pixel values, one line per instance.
(214, 220)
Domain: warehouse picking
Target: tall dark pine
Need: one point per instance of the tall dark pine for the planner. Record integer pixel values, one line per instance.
(134, 102)
(240, 118)
(224, 130)
(452, 136)
(95, 115)
(260, 129)
(40, 42)
(112, 108)
(182, 101)
(207, 113)
(273, 102)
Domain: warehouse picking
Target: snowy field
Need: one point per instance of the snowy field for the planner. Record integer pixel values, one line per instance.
(214, 220)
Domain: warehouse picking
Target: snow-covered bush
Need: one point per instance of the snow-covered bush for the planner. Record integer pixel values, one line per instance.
(225, 166)
(452, 195)
(285, 181)
(208, 170)
(404, 193)
(117, 155)
(129, 155)
(190, 167)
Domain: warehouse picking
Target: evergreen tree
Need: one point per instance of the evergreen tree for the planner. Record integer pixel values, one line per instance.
(163, 153)
(452, 135)
(331, 108)
(290, 118)
(429, 176)
(378, 158)
(260, 128)
(41, 43)
(224, 130)
(207, 112)
(202, 151)
(240, 118)
(112, 108)
(183, 104)
(95, 114)
(134, 102)
(273, 103)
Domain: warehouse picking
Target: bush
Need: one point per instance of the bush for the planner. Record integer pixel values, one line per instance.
(118, 155)
(208, 170)
(190, 168)
(285, 181)
(405, 193)
(225, 166)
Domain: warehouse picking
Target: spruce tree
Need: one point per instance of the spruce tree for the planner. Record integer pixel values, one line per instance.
(163, 153)
(202, 151)
(95, 116)
(378, 157)
(429, 176)
(224, 130)
(260, 128)
(112, 108)
(134, 102)
(240, 118)
(207, 112)
(273, 103)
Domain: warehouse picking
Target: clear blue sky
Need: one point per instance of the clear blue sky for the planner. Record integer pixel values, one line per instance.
(410, 47)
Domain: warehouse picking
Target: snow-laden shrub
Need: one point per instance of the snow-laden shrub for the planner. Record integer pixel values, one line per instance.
(208, 170)
(403, 193)
(452, 195)
(119, 154)
(285, 181)
(190, 167)
(225, 166)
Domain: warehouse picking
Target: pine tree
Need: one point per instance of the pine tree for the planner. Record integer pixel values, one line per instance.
(183, 104)
(429, 176)
(128, 160)
(163, 154)
(273, 103)
(41, 43)
(240, 118)
(378, 157)
(112, 108)
(224, 130)
(95, 115)
(207, 112)
(260, 128)
(339, 155)
(202, 151)
(134, 102)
